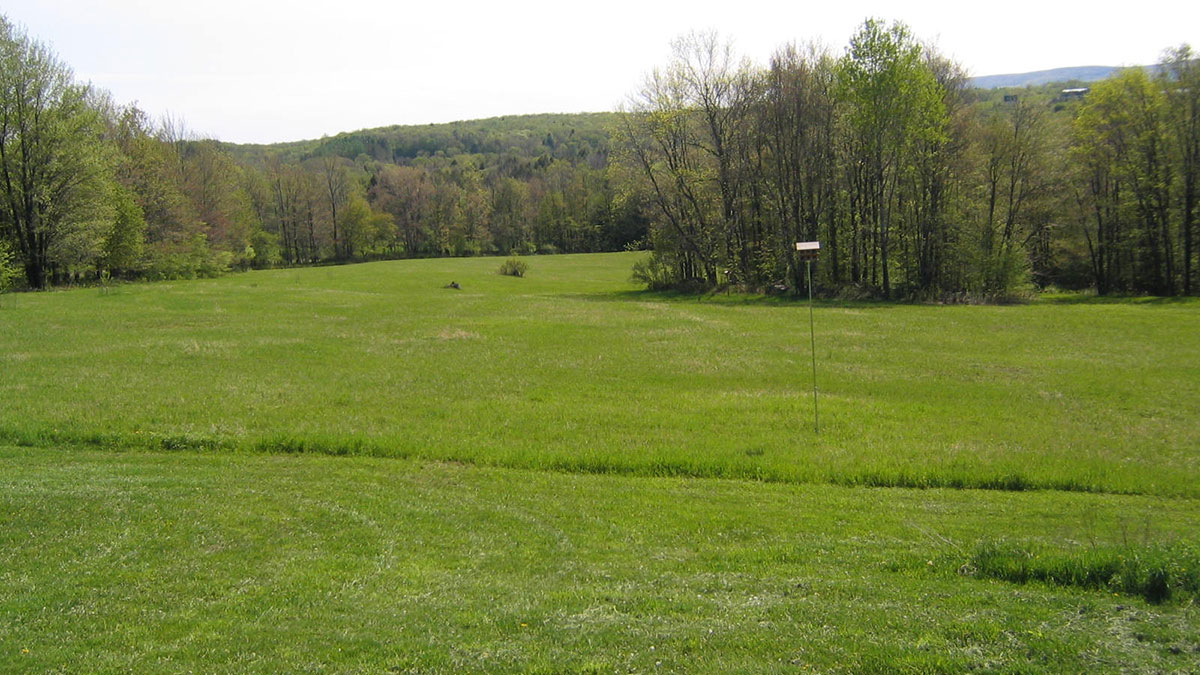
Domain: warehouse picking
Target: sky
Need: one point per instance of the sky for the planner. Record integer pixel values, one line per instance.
(250, 71)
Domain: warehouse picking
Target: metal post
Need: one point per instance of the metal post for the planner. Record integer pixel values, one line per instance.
(812, 332)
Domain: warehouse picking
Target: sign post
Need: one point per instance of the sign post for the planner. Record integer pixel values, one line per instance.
(810, 251)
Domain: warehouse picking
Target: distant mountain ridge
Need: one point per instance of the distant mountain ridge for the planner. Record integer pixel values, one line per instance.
(1040, 77)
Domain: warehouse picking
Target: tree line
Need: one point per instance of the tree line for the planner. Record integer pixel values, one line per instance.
(917, 185)
(94, 190)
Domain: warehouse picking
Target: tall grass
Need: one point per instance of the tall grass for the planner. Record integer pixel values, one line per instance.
(1157, 572)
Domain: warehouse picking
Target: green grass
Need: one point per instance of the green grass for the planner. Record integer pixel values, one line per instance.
(563, 473)
(572, 369)
(267, 563)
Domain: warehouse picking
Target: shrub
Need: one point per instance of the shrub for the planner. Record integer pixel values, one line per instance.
(9, 272)
(514, 268)
(655, 272)
(187, 259)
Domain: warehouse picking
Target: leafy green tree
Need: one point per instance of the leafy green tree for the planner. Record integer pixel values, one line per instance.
(721, 89)
(798, 121)
(1121, 142)
(510, 204)
(52, 164)
(125, 243)
(1015, 146)
(1181, 77)
(463, 214)
(362, 226)
(212, 182)
(896, 106)
(147, 168)
(406, 193)
(291, 209)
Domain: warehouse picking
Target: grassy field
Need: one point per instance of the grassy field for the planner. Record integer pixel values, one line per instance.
(572, 369)
(563, 473)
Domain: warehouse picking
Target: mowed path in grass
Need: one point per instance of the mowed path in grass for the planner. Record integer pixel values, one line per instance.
(572, 369)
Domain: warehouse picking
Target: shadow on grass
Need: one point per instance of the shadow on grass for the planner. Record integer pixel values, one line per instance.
(729, 299)
(789, 300)
(1087, 299)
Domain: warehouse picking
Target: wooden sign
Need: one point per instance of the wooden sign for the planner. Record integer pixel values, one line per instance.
(809, 250)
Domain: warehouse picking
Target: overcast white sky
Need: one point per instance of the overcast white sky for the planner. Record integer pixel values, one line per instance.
(251, 71)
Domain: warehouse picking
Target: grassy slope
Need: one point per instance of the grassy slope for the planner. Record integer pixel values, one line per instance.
(125, 557)
(570, 368)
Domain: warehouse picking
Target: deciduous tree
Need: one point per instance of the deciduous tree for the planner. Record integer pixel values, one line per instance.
(52, 166)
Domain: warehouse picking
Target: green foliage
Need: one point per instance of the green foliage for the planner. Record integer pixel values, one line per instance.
(655, 272)
(189, 259)
(54, 169)
(1156, 573)
(9, 271)
(920, 188)
(460, 189)
(565, 137)
(893, 95)
(514, 268)
(361, 226)
(1120, 143)
(999, 275)
(125, 244)
(263, 251)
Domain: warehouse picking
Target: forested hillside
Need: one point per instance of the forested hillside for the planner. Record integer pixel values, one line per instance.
(918, 185)
(524, 184)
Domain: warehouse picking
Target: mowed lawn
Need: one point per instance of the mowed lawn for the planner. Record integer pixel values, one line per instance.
(564, 473)
(185, 562)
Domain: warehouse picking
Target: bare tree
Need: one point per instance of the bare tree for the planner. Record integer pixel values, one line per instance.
(336, 183)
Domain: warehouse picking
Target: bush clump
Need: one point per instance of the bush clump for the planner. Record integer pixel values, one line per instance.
(661, 274)
(9, 272)
(514, 268)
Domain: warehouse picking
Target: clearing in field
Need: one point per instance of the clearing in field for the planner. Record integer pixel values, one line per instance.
(562, 472)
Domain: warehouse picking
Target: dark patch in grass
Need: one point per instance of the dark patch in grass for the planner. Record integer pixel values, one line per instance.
(604, 466)
(193, 443)
(1006, 483)
(736, 298)
(292, 445)
(1155, 573)
(1088, 299)
(41, 438)
(722, 298)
